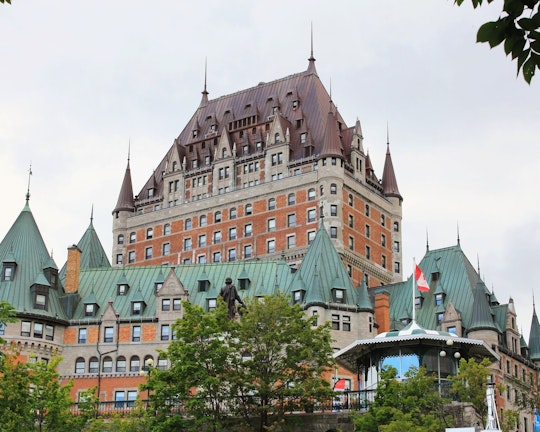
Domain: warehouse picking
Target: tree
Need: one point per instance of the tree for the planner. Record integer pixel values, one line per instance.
(7, 315)
(269, 362)
(469, 385)
(31, 396)
(413, 405)
(518, 27)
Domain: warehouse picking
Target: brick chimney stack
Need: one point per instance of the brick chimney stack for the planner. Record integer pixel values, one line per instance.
(382, 311)
(73, 269)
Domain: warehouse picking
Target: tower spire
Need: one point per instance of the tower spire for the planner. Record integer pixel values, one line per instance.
(458, 240)
(204, 99)
(311, 59)
(28, 189)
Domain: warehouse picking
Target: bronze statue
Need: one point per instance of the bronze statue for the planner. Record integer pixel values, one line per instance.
(230, 296)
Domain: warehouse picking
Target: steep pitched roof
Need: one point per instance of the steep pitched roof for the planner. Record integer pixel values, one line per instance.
(322, 271)
(302, 91)
(534, 337)
(481, 318)
(126, 200)
(446, 267)
(389, 182)
(93, 255)
(24, 246)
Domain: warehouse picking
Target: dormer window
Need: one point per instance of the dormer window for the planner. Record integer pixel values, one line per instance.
(418, 301)
(175, 166)
(8, 272)
(295, 104)
(40, 301)
(90, 309)
(212, 128)
(243, 283)
(439, 299)
(137, 307)
(298, 296)
(203, 285)
(122, 289)
(339, 295)
(195, 133)
(211, 304)
(150, 192)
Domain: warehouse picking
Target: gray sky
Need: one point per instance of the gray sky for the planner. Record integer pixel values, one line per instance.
(80, 79)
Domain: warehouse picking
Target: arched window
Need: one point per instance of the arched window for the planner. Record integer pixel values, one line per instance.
(149, 361)
(271, 204)
(107, 364)
(134, 364)
(120, 239)
(121, 364)
(80, 365)
(93, 365)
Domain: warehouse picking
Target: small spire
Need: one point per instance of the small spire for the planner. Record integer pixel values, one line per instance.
(427, 241)
(387, 135)
(458, 240)
(129, 150)
(204, 99)
(92, 215)
(311, 59)
(28, 189)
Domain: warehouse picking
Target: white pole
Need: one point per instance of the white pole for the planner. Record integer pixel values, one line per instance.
(414, 291)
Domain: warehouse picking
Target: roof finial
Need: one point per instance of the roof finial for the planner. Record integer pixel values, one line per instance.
(427, 241)
(330, 91)
(478, 262)
(204, 99)
(311, 59)
(129, 149)
(28, 189)
(458, 240)
(92, 214)
(387, 134)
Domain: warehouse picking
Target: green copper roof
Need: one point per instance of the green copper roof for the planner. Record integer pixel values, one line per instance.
(534, 338)
(24, 246)
(93, 255)
(482, 317)
(321, 271)
(448, 272)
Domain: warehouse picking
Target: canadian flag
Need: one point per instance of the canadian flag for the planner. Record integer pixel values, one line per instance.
(421, 282)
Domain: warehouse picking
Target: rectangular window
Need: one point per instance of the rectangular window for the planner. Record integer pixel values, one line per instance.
(291, 220)
(346, 321)
(368, 231)
(166, 249)
(333, 232)
(177, 304)
(383, 240)
(131, 257)
(291, 242)
(148, 252)
(271, 224)
(232, 233)
(166, 304)
(270, 246)
(41, 301)
(119, 399)
(49, 332)
(248, 230)
(82, 336)
(136, 333)
(232, 213)
(311, 215)
(131, 397)
(149, 233)
(187, 244)
(202, 240)
(368, 252)
(165, 332)
(119, 259)
(25, 328)
(217, 237)
(351, 221)
(396, 246)
(216, 257)
(2, 329)
(109, 334)
(248, 251)
(311, 236)
(335, 322)
(38, 330)
(231, 255)
(351, 243)
(211, 304)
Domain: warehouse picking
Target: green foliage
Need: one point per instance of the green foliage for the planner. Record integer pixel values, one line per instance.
(510, 420)
(469, 385)
(32, 397)
(412, 405)
(518, 27)
(7, 315)
(266, 364)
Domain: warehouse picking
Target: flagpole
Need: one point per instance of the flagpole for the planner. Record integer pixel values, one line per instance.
(413, 290)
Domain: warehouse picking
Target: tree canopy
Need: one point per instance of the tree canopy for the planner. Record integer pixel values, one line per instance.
(268, 363)
(518, 27)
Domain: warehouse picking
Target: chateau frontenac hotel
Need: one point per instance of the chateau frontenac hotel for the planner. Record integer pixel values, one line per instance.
(271, 187)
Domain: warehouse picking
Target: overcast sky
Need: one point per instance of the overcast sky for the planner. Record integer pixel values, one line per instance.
(81, 79)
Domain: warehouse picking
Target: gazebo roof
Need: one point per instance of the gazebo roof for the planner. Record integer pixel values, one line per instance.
(413, 337)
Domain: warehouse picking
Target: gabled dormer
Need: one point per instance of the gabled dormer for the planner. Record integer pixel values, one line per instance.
(91, 306)
(138, 304)
(39, 292)
(9, 267)
(243, 280)
(122, 286)
(51, 273)
(203, 283)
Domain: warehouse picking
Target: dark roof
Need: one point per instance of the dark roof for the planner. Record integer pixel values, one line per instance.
(125, 198)
(534, 337)
(389, 182)
(299, 96)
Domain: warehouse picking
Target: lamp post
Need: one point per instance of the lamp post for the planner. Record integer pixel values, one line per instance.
(442, 354)
(146, 370)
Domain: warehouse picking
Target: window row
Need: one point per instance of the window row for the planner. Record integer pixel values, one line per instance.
(120, 365)
(37, 330)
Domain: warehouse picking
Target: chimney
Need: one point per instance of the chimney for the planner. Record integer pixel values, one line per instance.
(382, 311)
(73, 269)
